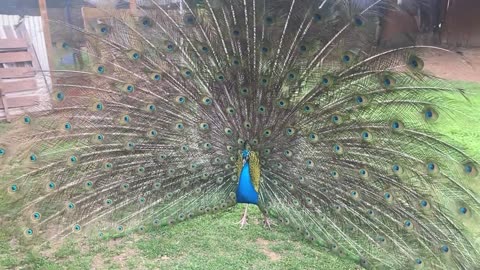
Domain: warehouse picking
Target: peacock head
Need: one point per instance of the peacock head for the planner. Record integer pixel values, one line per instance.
(245, 154)
(246, 150)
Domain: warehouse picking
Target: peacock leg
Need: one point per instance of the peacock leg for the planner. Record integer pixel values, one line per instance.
(266, 221)
(243, 221)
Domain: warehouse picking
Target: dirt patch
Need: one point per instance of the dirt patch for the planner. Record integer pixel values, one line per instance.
(52, 248)
(263, 244)
(122, 258)
(97, 262)
(164, 258)
(114, 242)
(462, 64)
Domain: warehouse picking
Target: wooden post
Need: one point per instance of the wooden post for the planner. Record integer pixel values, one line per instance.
(133, 7)
(46, 31)
(4, 103)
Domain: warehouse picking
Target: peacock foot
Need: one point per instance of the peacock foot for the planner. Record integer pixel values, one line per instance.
(267, 223)
(243, 221)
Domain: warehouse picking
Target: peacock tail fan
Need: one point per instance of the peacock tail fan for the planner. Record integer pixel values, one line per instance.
(148, 131)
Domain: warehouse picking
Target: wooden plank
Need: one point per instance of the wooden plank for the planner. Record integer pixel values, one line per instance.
(22, 31)
(9, 32)
(16, 102)
(12, 73)
(13, 57)
(8, 44)
(18, 85)
(4, 104)
(46, 32)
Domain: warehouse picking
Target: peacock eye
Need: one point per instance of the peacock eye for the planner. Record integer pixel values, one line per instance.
(51, 185)
(207, 101)
(423, 203)
(290, 131)
(180, 99)
(313, 138)
(77, 227)
(230, 110)
(29, 232)
(59, 96)
(358, 21)
(36, 216)
(281, 103)
(100, 69)
(407, 223)
(27, 120)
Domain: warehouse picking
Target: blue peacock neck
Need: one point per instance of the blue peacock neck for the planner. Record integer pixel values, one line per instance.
(246, 192)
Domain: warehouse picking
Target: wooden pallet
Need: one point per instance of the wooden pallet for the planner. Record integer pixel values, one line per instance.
(18, 81)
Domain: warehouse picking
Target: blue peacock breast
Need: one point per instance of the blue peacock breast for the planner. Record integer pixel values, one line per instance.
(246, 192)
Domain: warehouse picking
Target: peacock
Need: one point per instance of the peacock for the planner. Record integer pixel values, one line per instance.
(291, 106)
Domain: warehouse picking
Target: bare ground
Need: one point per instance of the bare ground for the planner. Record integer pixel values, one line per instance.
(462, 64)
(263, 244)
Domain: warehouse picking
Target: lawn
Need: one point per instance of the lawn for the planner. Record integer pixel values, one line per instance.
(213, 241)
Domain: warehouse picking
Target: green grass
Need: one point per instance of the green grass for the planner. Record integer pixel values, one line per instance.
(463, 127)
(213, 241)
(208, 242)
